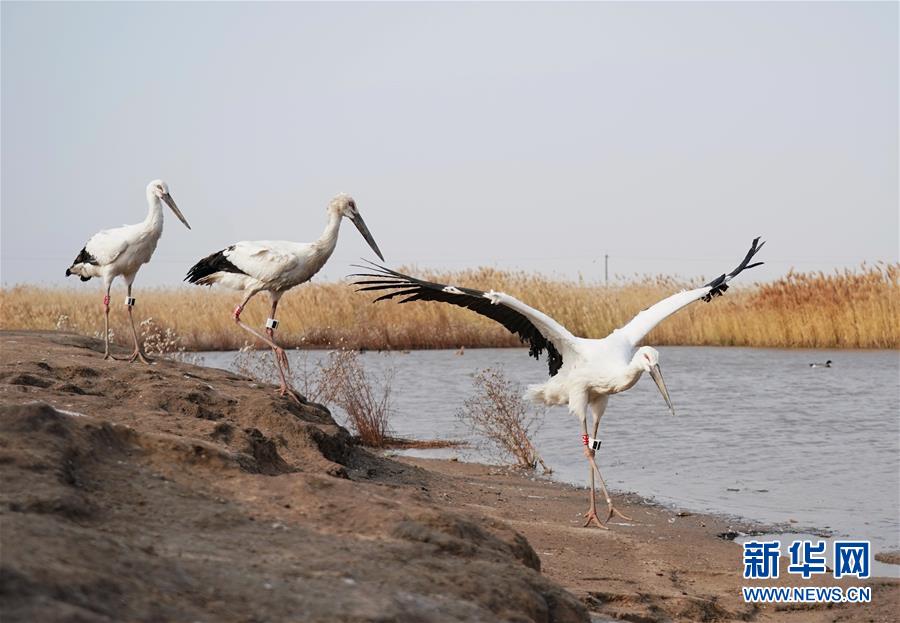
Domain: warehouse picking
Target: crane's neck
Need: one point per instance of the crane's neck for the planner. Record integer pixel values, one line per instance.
(154, 220)
(636, 365)
(631, 373)
(328, 240)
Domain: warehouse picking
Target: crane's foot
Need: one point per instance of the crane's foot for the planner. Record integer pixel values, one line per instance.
(139, 356)
(614, 511)
(106, 356)
(284, 390)
(591, 517)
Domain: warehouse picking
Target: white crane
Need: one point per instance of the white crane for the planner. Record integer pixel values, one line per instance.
(583, 372)
(122, 251)
(276, 266)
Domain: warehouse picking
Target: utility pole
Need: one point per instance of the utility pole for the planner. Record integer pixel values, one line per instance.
(606, 268)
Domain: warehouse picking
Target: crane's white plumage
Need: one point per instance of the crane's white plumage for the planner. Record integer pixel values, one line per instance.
(121, 251)
(276, 266)
(583, 372)
(269, 265)
(643, 323)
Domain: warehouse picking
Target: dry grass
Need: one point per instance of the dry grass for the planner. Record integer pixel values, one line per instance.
(851, 309)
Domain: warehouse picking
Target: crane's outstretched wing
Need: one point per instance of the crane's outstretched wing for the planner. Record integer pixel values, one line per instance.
(644, 322)
(533, 327)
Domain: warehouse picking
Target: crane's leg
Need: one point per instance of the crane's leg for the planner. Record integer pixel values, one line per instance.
(579, 406)
(281, 360)
(280, 356)
(138, 353)
(591, 515)
(597, 408)
(106, 354)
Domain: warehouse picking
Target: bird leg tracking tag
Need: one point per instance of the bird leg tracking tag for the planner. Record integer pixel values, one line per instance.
(271, 323)
(590, 442)
(106, 300)
(129, 300)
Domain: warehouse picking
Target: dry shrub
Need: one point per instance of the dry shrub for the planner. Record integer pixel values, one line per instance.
(848, 309)
(497, 412)
(340, 380)
(257, 365)
(260, 366)
(366, 402)
(159, 339)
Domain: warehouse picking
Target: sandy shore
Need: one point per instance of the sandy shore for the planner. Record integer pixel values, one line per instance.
(176, 493)
(663, 565)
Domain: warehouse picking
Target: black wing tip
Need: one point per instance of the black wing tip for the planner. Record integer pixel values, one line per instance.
(84, 257)
(719, 286)
(70, 273)
(212, 263)
(371, 265)
(406, 289)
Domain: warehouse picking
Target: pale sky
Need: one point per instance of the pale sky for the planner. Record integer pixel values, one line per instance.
(527, 136)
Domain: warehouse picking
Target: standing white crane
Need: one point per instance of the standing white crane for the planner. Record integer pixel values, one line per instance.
(583, 372)
(122, 251)
(276, 266)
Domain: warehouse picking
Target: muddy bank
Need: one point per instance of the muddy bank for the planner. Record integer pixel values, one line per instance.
(176, 493)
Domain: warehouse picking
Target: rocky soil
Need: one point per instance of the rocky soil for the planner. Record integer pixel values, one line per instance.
(176, 493)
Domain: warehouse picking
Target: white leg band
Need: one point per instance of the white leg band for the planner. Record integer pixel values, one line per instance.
(593, 444)
(271, 323)
(129, 300)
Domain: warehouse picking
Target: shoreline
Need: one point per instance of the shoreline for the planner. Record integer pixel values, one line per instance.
(176, 492)
(624, 589)
(749, 526)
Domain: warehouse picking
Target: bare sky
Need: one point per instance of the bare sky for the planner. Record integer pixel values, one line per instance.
(528, 136)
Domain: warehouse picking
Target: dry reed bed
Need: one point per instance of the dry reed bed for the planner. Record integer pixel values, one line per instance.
(851, 309)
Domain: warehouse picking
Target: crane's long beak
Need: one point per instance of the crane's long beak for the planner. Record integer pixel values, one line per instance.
(657, 377)
(171, 203)
(361, 226)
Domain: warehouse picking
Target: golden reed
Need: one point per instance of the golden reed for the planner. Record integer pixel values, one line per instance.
(850, 309)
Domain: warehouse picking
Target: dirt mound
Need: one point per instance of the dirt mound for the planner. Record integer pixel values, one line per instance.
(171, 492)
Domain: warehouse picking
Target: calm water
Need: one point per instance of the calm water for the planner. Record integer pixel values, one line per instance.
(759, 434)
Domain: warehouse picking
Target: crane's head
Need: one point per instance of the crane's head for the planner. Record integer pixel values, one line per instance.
(647, 358)
(344, 205)
(159, 189)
